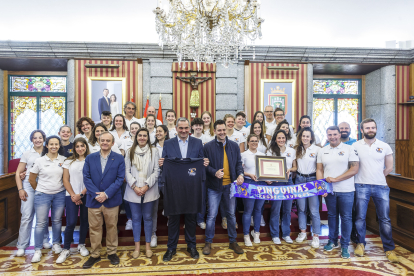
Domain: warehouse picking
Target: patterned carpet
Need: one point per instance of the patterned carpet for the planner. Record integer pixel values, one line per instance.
(263, 259)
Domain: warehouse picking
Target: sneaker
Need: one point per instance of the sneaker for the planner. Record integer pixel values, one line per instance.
(20, 252)
(63, 256)
(262, 222)
(345, 254)
(202, 225)
(301, 237)
(57, 248)
(287, 239)
(122, 212)
(315, 242)
(256, 236)
(36, 256)
(392, 257)
(330, 246)
(247, 241)
(276, 240)
(154, 240)
(82, 250)
(251, 221)
(128, 225)
(359, 250)
(224, 223)
(47, 245)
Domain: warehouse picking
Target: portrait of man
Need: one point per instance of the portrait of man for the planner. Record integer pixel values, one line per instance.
(103, 103)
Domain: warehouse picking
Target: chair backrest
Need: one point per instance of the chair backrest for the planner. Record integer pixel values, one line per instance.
(13, 164)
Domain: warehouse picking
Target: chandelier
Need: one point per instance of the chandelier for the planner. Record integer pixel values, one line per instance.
(208, 30)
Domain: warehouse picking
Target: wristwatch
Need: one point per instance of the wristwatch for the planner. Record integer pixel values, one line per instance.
(242, 174)
(81, 195)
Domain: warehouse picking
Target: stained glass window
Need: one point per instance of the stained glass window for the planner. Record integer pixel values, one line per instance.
(38, 84)
(23, 117)
(36, 102)
(336, 101)
(323, 116)
(335, 87)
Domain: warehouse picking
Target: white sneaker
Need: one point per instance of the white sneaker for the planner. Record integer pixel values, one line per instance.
(302, 236)
(154, 240)
(47, 245)
(57, 248)
(202, 225)
(36, 257)
(315, 242)
(251, 222)
(262, 222)
(63, 256)
(256, 237)
(276, 240)
(83, 250)
(287, 239)
(247, 241)
(128, 225)
(20, 252)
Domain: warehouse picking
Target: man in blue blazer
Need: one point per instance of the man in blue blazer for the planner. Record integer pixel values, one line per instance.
(104, 103)
(103, 174)
(182, 146)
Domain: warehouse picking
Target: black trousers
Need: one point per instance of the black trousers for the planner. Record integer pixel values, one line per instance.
(174, 230)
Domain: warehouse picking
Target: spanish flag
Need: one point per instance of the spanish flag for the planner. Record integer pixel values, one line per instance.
(159, 115)
(146, 108)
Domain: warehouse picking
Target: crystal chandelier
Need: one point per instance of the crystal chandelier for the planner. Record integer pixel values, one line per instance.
(208, 30)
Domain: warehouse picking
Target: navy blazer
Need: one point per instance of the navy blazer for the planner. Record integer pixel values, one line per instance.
(103, 105)
(110, 181)
(171, 148)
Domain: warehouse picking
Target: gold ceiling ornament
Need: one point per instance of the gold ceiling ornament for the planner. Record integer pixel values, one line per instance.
(208, 30)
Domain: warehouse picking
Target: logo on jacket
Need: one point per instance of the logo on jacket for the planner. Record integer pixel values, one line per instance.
(356, 153)
(60, 164)
(236, 140)
(70, 150)
(379, 150)
(312, 155)
(341, 153)
(291, 146)
(288, 154)
(192, 172)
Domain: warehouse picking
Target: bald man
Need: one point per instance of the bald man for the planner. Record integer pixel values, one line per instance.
(345, 129)
(270, 119)
(150, 110)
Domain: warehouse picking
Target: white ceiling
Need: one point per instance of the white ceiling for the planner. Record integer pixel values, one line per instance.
(350, 23)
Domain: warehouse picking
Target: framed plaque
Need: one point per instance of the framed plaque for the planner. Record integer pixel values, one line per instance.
(271, 168)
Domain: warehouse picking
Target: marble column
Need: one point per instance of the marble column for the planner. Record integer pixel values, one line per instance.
(70, 88)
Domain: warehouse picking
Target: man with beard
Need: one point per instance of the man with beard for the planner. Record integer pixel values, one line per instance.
(345, 129)
(376, 162)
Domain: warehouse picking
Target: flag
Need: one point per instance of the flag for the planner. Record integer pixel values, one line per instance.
(159, 115)
(146, 108)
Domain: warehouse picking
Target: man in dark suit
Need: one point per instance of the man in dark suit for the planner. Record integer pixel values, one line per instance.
(103, 103)
(184, 146)
(103, 175)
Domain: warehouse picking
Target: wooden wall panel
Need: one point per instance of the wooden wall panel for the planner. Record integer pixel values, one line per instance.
(402, 154)
(9, 209)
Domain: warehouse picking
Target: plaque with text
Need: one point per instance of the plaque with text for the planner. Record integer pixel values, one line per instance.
(271, 168)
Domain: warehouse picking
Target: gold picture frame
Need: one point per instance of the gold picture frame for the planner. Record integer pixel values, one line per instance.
(271, 168)
(92, 94)
(291, 94)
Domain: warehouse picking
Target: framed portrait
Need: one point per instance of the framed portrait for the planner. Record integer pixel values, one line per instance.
(279, 94)
(271, 168)
(105, 94)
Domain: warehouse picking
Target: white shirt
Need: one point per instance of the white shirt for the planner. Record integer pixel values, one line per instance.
(289, 154)
(204, 139)
(96, 148)
(159, 149)
(119, 139)
(237, 137)
(208, 134)
(272, 124)
(75, 175)
(292, 142)
(172, 132)
(152, 135)
(81, 135)
(50, 174)
(143, 121)
(307, 164)
(371, 162)
(126, 144)
(29, 158)
(249, 161)
(244, 131)
(335, 163)
(128, 122)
